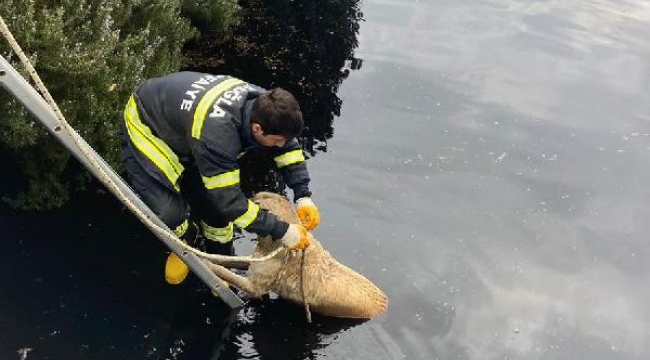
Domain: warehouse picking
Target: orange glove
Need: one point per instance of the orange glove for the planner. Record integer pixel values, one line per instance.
(295, 238)
(308, 213)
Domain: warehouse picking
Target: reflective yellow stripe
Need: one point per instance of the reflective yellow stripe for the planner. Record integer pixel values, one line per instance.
(249, 216)
(289, 158)
(182, 228)
(222, 180)
(222, 235)
(206, 103)
(152, 147)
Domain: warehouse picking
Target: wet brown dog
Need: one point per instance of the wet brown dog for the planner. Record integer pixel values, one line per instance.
(330, 287)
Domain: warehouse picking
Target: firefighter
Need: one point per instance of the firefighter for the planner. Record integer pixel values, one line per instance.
(181, 137)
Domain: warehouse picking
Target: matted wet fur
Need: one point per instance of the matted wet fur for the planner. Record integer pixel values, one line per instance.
(330, 287)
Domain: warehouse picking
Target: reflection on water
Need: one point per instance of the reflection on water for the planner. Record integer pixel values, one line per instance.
(304, 47)
(503, 169)
(278, 330)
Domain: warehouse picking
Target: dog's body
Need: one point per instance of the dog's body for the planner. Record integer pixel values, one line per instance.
(329, 287)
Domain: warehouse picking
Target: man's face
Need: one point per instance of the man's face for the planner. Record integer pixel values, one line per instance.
(266, 140)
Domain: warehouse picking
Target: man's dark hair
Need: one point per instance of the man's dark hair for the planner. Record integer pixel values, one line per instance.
(278, 113)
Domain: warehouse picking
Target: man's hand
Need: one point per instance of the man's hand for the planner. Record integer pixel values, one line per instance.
(295, 238)
(308, 213)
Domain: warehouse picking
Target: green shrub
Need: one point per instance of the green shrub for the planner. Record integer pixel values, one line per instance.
(90, 54)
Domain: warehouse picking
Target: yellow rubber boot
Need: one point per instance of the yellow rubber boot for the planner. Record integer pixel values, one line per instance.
(175, 270)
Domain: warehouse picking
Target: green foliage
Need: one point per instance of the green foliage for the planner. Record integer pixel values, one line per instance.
(90, 54)
(211, 15)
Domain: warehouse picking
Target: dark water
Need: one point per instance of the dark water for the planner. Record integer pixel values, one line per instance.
(489, 171)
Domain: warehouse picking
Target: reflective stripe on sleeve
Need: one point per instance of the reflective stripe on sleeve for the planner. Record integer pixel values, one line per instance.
(222, 180)
(222, 235)
(289, 158)
(206, 102)
(152, 147)
(249, 216)
(182, 228)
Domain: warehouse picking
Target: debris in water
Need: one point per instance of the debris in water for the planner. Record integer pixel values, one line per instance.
(23, 352)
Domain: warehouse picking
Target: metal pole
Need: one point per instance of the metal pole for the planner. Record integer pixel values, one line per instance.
(11, 80)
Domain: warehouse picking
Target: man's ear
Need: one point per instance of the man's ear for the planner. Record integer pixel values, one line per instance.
(256, 128)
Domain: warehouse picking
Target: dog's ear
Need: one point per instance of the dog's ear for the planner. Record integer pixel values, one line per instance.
(265, 195)
(278, 204)
(257, 198)
(265, 199)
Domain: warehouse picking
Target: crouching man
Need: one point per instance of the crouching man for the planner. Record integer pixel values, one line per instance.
(182, 135)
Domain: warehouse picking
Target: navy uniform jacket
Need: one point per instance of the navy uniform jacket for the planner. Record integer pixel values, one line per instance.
(205, 120)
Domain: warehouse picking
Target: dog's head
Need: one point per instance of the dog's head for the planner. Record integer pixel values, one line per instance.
(282, 208)
(278, 205)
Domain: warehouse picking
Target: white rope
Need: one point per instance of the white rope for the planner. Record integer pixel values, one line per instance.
(103, 174)
(305, 302)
